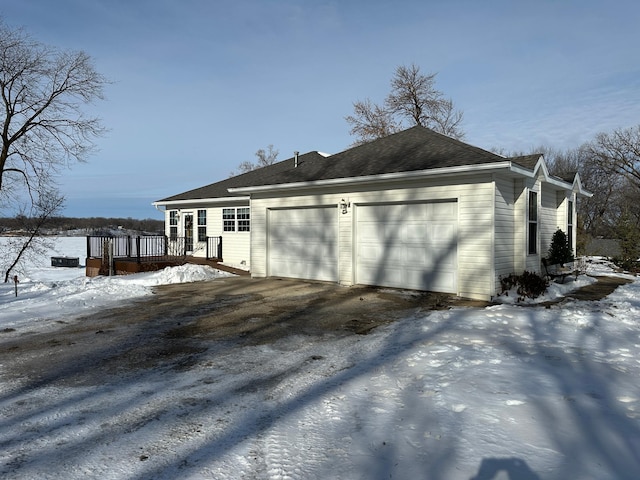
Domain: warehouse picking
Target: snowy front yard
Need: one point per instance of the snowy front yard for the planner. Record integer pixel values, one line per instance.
(504, 392)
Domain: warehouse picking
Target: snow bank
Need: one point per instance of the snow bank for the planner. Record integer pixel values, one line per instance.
(46, 293)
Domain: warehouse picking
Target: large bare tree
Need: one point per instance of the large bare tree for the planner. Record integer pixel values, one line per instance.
(619, 153)
(413, 100)
(43, 92)
(264, 158)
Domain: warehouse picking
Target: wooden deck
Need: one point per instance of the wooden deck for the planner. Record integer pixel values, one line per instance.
(126, 266)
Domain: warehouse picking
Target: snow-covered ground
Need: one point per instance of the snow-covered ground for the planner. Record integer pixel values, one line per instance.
(504, 392)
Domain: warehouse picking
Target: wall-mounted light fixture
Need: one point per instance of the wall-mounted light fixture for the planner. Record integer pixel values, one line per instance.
(344, 205)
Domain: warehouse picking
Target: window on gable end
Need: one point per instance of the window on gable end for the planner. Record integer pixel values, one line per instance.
(570, 215)
(532, 247)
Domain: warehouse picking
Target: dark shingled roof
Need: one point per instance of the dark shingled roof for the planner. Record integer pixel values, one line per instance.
(254, 177)
(527, 161)
(417, 148)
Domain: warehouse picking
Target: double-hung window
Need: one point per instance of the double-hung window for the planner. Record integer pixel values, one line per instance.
(532, 247)
(236, 219)
(173, 224)
(229, 219)
(202, 225)
(244, 219)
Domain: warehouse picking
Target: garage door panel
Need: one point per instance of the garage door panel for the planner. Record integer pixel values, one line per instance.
(442, 232)
(371, 252)
(302, 243)
(390, 277)
(415, 232)
(443, 210)
(417, 254)
(370, 231)
(408, 246)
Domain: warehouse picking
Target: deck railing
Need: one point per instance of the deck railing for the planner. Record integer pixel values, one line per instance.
(151, 247)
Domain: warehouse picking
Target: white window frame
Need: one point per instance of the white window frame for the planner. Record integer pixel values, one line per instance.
(202, 225)
(570, 217)
(236, 219)
(173, 224)
(532, 224)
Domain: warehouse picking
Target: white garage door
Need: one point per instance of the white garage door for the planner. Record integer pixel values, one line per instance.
(408, 246)
(303, 243)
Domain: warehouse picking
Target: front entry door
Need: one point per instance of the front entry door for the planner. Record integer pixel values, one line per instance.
(188, 233)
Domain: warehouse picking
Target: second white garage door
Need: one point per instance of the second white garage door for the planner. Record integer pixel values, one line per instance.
(408, 246)
(303, 243)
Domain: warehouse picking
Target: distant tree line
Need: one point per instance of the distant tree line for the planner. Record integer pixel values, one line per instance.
(55, 224)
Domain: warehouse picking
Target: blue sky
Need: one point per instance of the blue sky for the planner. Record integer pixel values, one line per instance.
(200, 85)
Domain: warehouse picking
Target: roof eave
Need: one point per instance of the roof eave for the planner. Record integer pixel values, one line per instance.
(196, 201)
(385, 177)
(541, 168)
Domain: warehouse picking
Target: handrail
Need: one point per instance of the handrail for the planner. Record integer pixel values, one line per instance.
(150, 247)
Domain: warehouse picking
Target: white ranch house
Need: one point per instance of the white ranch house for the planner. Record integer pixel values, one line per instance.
(415, 210)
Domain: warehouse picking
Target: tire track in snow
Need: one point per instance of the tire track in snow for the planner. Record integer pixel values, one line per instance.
(301, 446)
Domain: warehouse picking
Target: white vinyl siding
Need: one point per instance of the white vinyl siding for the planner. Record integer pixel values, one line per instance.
(235, 245)
(475, 234)
(505, 232)
(550, 218)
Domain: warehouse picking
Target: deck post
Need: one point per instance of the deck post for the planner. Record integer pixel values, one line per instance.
(138, 248)
(220, 248)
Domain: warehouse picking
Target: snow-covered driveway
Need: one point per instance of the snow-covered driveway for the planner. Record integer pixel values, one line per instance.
(503, 392)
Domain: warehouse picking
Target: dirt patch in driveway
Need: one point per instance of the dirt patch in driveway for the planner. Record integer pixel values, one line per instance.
(260, 311)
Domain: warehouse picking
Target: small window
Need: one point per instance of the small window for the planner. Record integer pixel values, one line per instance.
(229, 219)
(533, 223)
(202, 225)
(173, 224)
(244, 220)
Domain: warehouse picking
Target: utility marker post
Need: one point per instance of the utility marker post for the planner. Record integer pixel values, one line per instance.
(16, 281)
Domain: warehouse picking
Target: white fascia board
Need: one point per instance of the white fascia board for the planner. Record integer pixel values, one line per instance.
(195, 201)
(541, 165)
(575, 186)
(520, 170)
(385, 177)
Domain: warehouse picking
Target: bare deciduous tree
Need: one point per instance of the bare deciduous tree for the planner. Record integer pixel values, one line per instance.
(42, 92)
(32, 219)
(413, 100)
(264, 158)
(42, 128)
(370, 121)
(619, 152)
